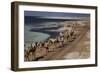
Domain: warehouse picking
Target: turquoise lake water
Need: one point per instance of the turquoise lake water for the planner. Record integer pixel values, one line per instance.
(30, 36)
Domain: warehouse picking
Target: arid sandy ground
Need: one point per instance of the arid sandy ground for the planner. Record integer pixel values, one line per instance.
(81, 50)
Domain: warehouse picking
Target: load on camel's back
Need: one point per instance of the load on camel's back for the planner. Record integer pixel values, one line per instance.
(52, 46)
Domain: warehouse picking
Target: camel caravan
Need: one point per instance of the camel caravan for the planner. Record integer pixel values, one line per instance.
(39, 50)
